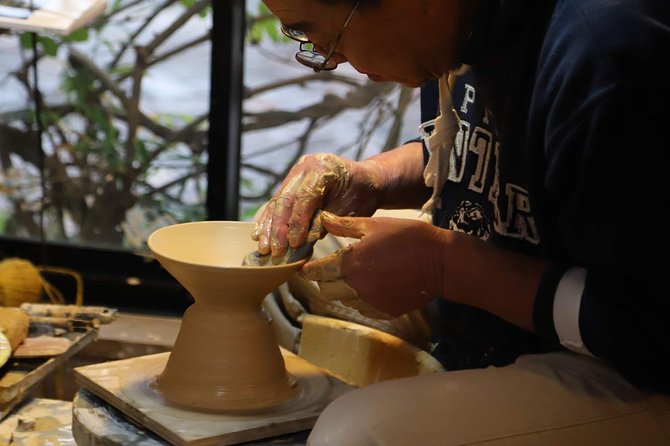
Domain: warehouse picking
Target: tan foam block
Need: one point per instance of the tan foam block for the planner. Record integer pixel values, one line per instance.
(360, 355)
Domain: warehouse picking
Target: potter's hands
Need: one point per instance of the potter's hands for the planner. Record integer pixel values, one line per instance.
(397, 266)
(323, 181)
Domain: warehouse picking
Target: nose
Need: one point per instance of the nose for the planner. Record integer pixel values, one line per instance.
(339, 58)
(321, 50)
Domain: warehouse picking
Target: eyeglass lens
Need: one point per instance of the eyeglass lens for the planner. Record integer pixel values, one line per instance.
(315, 60)
(294, 34)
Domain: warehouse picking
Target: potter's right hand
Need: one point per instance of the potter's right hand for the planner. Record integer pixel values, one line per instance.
(322, 181)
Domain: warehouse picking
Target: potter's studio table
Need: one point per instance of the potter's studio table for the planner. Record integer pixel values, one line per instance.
(27, 421)
(74, 327)
(68, 329)
(21, 375)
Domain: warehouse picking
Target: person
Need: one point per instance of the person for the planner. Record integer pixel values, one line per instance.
(543, 165)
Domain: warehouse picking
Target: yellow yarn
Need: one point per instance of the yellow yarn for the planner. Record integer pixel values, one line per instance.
(20, 281)
(52, 290)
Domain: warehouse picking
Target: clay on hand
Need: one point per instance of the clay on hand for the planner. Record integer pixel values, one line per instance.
(304, 251)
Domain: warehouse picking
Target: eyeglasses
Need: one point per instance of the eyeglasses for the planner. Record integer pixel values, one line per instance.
(309, 57)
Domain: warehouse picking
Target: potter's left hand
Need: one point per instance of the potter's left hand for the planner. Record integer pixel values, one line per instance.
(397, 266)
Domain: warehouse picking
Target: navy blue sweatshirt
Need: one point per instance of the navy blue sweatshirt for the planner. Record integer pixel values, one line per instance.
(562, 155)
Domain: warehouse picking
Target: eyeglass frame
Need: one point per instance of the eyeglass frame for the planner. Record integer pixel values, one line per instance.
(301, 38)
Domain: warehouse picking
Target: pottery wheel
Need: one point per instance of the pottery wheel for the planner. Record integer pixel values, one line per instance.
(96, 423)
(127, 386)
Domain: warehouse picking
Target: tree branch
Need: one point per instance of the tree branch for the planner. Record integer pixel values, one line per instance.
(330, 105)
(174, 26)
(158, 59)
(160, 8)
(301, 80)
(77, 58)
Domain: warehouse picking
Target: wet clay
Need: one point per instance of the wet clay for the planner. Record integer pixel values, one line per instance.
(304, 251)
(225, 358)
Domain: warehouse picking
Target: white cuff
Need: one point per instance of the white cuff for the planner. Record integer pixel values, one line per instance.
(567, 302)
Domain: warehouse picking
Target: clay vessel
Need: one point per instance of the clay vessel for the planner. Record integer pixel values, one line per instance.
(225, 357)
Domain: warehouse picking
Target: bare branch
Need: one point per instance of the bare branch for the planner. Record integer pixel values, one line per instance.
(262, 170)
(185, 17)
(77, 58)
(160, 8)
(269, 149)
(404, 100)
(301, 80)
(133, 112)
(253, 20)
(302, 148)
(153, 190)
(158, 59)
(101, 20)
(331, 105)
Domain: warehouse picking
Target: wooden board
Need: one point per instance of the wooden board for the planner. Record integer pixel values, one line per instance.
(53, 16)
(19, 376)
(126, 385)
(96, 423)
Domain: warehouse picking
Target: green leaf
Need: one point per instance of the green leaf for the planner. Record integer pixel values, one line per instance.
(141, 150)
(122, 70)
(271, 28)
(81, 146)
(49, 45)
(51, 117)
(80, 35)
(264, 24)
(204, 12)
(255, 35)
(116, 5)
(98, 117)
(267, 27)
(26, 40)
(262, 9)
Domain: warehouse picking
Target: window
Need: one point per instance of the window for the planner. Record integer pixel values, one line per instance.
(125, 106)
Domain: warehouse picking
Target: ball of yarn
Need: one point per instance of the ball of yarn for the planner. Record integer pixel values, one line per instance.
(20, 282)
